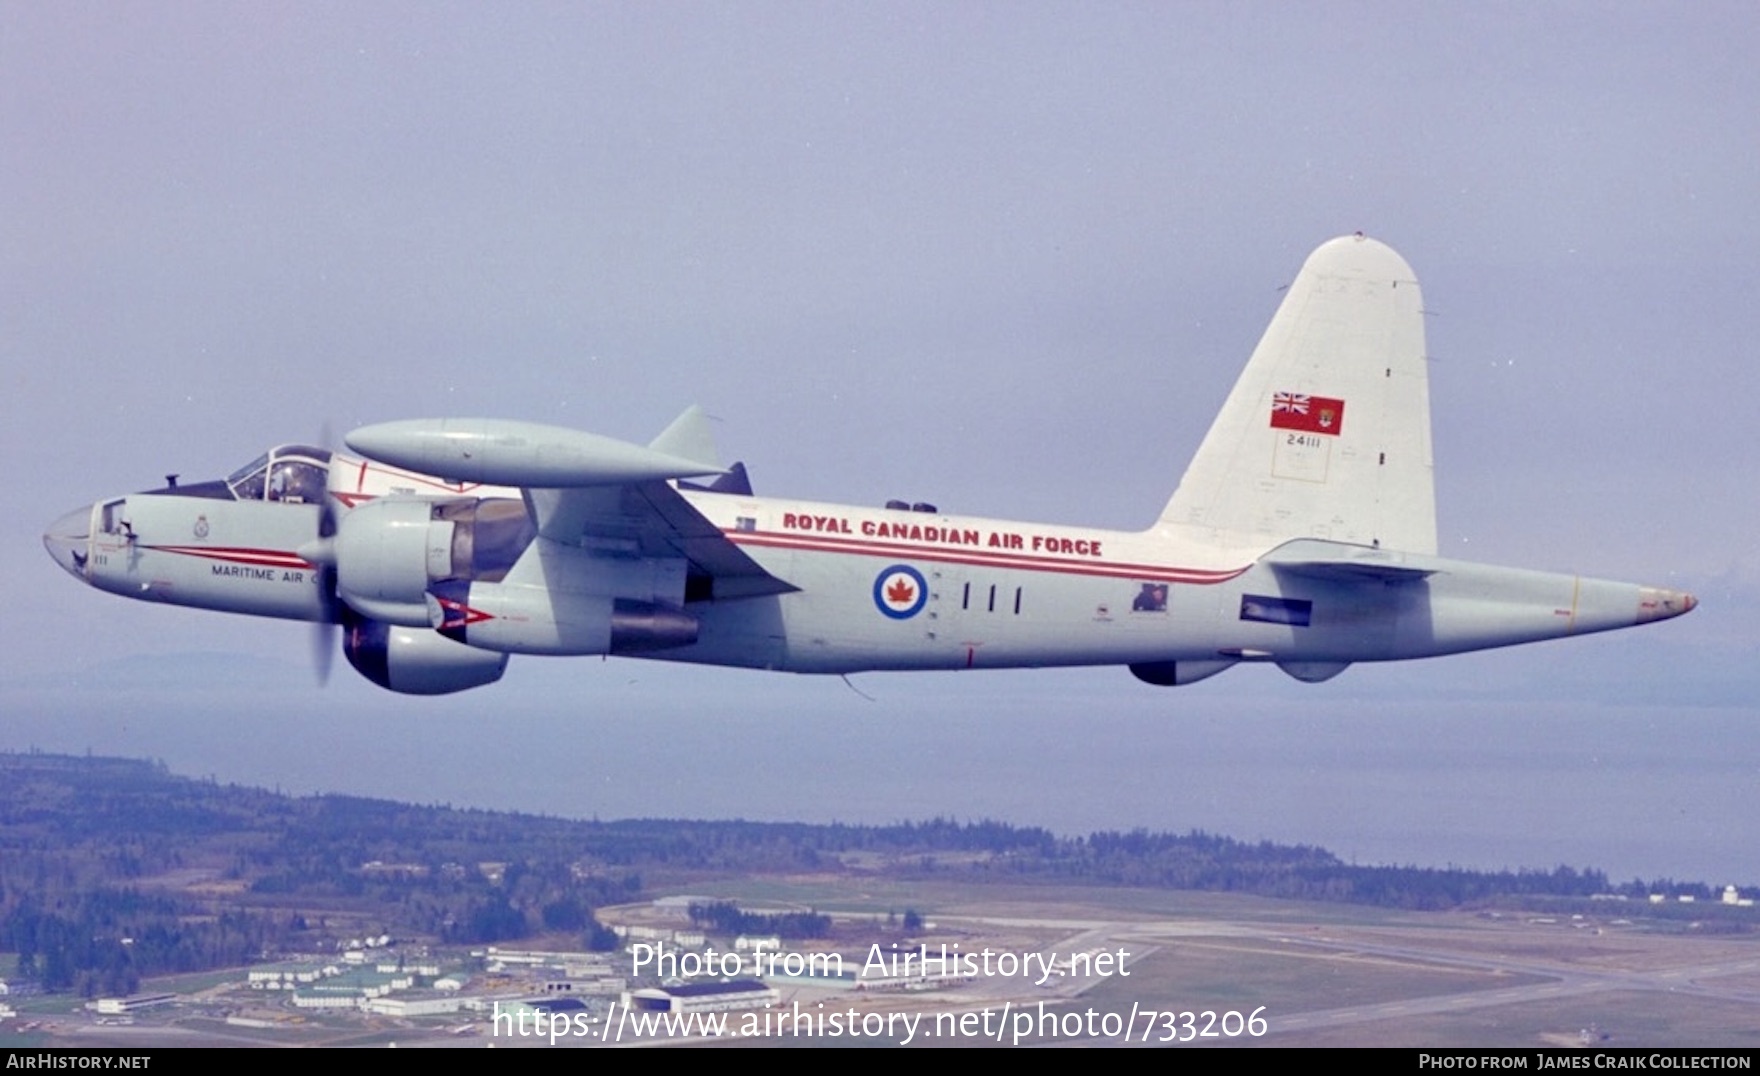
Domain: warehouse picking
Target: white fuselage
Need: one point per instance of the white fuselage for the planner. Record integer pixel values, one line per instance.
(1004, 594)
(896, 589)
(1302, 534)
(995, 593)
(233, 556)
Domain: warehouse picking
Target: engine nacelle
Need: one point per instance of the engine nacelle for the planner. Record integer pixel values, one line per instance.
(416, 661)
(389, 551)
(537, 620)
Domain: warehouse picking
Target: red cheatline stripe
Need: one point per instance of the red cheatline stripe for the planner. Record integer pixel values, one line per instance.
(431, 481)
(954, 555)
(271, 558)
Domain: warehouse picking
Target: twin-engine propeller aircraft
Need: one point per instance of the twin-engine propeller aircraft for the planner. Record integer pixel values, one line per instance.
(1303, 535)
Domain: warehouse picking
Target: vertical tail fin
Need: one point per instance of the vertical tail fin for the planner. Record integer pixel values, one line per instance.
(1327, 432)
(689, 438)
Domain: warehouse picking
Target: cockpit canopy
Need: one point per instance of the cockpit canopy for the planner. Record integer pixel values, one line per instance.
(295, 474)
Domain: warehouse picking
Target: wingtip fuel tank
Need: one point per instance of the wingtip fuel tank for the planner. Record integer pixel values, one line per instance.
(505, 452)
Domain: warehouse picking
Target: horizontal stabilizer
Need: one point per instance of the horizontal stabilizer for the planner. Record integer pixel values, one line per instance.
(1338, 562)
(1346, 572)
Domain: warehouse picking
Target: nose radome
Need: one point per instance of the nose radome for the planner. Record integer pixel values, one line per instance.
(68, 540)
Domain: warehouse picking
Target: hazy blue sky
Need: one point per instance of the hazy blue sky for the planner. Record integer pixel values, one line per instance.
(1004, 257)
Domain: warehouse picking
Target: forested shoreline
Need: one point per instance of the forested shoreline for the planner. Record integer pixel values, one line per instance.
(116, 869)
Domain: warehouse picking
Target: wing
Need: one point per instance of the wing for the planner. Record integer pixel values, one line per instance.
(645, 522)
(609, 519)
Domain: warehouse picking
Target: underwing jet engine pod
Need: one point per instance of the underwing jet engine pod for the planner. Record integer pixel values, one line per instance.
(1303, 535)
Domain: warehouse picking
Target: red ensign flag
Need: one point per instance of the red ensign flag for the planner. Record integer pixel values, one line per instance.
(1310, 414)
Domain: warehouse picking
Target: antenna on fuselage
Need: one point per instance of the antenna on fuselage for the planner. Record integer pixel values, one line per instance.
(851, 685)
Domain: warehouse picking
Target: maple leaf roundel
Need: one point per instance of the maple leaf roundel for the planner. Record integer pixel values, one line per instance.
(900, 592)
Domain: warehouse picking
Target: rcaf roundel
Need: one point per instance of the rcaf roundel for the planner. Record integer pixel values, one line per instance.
(900, 592)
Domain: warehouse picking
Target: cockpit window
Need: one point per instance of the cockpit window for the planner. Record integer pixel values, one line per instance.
(247, 481)
(296, 474)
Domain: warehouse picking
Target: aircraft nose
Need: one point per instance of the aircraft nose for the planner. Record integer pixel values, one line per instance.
(68, 540)
(1654, 603)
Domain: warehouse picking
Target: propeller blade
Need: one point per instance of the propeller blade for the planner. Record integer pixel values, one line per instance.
(322, 554)
(323, 651)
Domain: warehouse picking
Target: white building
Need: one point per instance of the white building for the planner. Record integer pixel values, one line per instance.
(705, 997)
(745, 942)
(414, 1006)
(132, 1003)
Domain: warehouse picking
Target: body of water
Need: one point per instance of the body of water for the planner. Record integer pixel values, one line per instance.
(1408, 765)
